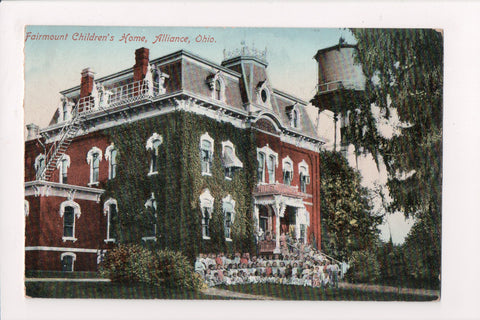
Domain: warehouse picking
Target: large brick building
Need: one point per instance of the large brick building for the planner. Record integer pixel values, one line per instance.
(175, 152)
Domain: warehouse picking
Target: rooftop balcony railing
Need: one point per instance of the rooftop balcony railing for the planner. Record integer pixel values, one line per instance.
(118, 96)
(337, 85)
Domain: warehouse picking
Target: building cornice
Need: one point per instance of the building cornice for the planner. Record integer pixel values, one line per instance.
(40, 188)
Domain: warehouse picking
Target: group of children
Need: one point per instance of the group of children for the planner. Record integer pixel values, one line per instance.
(313, 270)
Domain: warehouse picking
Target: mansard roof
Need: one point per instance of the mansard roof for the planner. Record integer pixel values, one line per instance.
(243, 77)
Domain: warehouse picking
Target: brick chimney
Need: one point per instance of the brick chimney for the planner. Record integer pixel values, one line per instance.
(141, 64)
(86, 85)
(32, 131)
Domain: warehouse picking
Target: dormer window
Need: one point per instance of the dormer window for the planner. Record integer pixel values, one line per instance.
(230, 159)
(293, 114)
(94, 156)
(206, 153)
(287, 165)
(216, 83)
(304, 175)
(153, 145)
(263, 94)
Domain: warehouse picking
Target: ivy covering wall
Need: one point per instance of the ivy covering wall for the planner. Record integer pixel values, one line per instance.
(179, 183)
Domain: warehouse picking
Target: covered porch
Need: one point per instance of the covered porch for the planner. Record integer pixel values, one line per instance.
(279, 211)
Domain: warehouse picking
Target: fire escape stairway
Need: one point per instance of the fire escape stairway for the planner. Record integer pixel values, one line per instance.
(58, 148)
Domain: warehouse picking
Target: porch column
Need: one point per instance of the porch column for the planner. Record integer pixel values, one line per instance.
(279, 210)
(277, 233)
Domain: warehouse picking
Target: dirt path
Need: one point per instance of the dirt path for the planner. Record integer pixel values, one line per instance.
(364, 287)
(232, 294)
(379, 288)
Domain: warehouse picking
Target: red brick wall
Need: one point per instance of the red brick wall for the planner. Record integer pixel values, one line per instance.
(297, 155)
(50, 260)
(44, 227)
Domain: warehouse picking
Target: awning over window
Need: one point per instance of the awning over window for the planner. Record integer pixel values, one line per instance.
(230, 160)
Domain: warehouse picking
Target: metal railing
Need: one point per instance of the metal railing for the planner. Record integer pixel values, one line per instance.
(121, 95)
(338, 84)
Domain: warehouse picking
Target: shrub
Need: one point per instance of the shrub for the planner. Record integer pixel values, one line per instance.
(128, 263)
(134, 263)
(364, 267)
(174, 270)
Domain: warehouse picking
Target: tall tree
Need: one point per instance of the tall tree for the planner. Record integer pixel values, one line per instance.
(404, 71)
(347, 222)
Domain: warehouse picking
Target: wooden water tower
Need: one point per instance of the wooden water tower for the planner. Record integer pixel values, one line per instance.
(341, 84)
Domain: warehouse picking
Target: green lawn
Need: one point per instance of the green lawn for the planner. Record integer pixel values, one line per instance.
(107, 290)
(288, 292)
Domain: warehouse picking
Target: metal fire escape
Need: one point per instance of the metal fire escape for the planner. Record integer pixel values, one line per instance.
(133, 93)
(58, 148)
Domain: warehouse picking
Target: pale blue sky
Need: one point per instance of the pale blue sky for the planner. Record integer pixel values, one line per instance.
(53, 66)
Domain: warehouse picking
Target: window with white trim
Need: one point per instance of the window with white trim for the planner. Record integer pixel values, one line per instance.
(206, 153)
(110, 209)
(287, 166)
(261, 167)
(94, 156)
(69, 210)
(217, 85)
(111, 155)
(68, 260)
(271, 168)
(63, 164)
(153, 145)
(228, 206)
(26, 207)
(39, 164)
(151, 219)
(267, 159)
(206, 208)
(230, 160)
(304, 175)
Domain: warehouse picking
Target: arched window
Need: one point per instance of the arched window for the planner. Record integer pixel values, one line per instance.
(206, 153)
(111, 154)
(151, 219)
(304, 175)
(110, 209)
(39, 165)
(68, 259)
(153, 145)
(295, 118)
(229, 216)
(218, 90)
(261, 167)
(94, 156)
(69, 210)
(270, 157)
(271, 168)
(287, 165)
(216, 83)
(206, 208)
(63, 164)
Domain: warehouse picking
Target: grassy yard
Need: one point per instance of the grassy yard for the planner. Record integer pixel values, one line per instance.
(107, 290)
(288, 292)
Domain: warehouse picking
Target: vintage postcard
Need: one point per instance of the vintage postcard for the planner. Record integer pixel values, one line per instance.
(233, 163)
